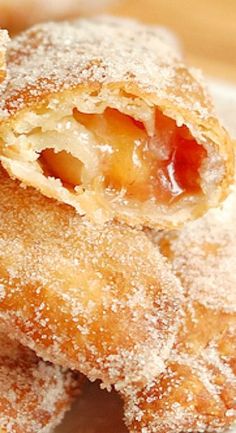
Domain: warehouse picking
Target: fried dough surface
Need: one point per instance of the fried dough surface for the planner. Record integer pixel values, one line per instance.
(197, 392)
(100, 300)
(105, 116)
(34, 394)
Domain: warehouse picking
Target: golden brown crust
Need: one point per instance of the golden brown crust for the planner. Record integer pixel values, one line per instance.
(100, 300)
(34, 394)
(197, 392)
(109, 62)
(43, 64)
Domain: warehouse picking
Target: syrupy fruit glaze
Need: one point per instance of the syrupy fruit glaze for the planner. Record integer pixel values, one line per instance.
(164, 166)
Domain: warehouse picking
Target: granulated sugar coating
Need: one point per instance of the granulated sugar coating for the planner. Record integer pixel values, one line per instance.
(4, 40)
(53, 57)
(197, 392)
(92, 94)
(203, 255)
(34, 395)
(100, 300)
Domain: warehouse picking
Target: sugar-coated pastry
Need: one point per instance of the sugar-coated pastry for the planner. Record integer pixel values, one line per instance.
(197, 391)
(4, 40)
(17, 15)
(103, 115)
(34, 395)
(98, 299)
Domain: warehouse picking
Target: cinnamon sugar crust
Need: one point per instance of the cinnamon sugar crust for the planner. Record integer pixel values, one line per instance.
(34, 394)
(100, 300)
(197, 392)
(92, 65)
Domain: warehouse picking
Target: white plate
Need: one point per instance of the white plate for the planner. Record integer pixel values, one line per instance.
(98, 411)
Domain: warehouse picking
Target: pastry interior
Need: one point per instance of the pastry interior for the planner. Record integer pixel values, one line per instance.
(162, 167)
(126, 156)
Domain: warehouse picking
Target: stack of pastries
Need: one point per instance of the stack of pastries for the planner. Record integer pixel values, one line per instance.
(110, 149)
(34, 394)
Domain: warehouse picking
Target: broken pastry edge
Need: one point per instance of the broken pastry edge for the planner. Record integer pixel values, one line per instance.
(102, 206)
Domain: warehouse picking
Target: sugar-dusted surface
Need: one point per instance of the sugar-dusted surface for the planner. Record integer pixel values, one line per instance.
(204, 256)
(34, 395)
(4, 40)
(98, 299)
(200, 384)
(98, 419)
(197, 392)
(92, 65)
(51, 57)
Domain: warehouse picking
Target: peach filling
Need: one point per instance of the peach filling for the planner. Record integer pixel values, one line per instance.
(62, 165)
(164, 166)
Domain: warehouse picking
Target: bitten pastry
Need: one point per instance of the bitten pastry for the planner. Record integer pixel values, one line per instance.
(197, 391)
(34, 395)
(17, 15)
(101, 300)
(103, 115)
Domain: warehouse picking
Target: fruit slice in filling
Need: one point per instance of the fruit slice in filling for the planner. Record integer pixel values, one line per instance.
(163, 167)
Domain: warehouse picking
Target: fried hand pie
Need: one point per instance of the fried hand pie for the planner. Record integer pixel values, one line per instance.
(197, 391)
(104, 115)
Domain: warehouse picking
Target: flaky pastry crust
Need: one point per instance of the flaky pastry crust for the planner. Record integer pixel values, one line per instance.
(197, 392)
(98, 299)
(59, 71)
(34, 394)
